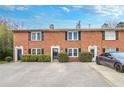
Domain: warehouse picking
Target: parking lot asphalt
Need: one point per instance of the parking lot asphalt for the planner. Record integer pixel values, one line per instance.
(54, 74)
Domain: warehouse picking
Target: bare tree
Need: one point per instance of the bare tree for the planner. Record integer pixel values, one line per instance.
(11, 23)
(110, 24)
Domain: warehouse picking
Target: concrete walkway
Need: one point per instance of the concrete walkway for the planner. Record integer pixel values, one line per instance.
(50, 75)
(114, 77)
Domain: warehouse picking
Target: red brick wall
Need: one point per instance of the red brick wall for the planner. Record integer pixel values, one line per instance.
(54, 38)
(73, 59)
(58, 38)
(20, 39)
(91, 38)
(115, 43)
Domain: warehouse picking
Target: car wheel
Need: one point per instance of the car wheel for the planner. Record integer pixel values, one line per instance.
(119, 67)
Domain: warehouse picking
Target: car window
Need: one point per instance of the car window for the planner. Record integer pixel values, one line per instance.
(118, 55)
(107, 55)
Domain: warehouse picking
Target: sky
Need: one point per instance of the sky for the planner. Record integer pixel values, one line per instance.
(62, 16)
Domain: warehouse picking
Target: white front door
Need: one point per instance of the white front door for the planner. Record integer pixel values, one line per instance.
(55, 50)
(93, 51)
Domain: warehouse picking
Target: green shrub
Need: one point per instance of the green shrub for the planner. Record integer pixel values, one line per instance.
(9, 52)
(35, 58)
(40, 58)
(6, 52)
(63, 57)
(25, 58)
(85, 57)
(8, 59)
(44, 58)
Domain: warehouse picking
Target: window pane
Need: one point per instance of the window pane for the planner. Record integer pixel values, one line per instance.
(110, 35)
(33, 36)
(107, 50)
(38, 51)
(38, 36)
(113, 49)
(70, 35)
(33, 51)
(75, 52)
(75, 35)
(69, 52)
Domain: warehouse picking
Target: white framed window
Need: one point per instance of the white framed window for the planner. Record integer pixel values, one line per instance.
(36, 36)
(110, 35)
(73, 52)
(72, 35)
(107, 50)
(36, 51)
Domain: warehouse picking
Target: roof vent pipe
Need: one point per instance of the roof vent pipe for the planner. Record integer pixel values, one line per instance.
(78, 25)
(89, 26)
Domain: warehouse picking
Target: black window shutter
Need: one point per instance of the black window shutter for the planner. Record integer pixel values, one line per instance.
(79, 35)
(79, 50)
(117, 49)
(103, 50)
(117, 35)
(65, 35)
(103, 35)
(29, 36)
(42, 51)
(29, 51)
(42, 35)
(66, 50)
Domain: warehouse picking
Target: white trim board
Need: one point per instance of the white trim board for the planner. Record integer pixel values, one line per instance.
(16, 48)
(95, 48)
(56, 46)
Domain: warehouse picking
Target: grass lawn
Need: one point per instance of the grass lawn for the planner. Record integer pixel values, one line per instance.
(3, 62)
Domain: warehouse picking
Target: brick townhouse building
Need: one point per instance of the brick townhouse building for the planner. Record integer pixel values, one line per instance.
(71, 41)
